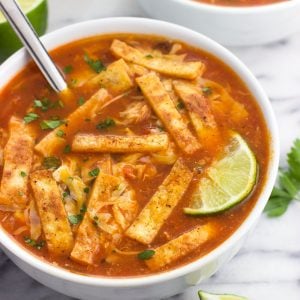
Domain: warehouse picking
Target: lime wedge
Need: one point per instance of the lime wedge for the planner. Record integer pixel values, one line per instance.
(36, 11)
(227, 181)
(207, 296)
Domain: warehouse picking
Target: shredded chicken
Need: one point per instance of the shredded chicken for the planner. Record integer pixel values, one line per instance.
(135, 113)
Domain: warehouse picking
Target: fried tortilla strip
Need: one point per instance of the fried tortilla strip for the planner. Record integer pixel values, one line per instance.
(120, 144)
(223, 104)
(162, 64)
(88, 240)
(55, 224)
(18, 155)
(165, 109)
(158, 209)
(199, 111)
(53, 142)
(115, 78)
(180, 246)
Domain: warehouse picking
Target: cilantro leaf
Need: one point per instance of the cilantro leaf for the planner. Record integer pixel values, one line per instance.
(146, 254)
(75, 219)
(95, 172)
(288, 188)
(108, 122)
(95, 64)
(51, 124)
(51, 162)
(68, 69)
(30, 117)
(293, 159)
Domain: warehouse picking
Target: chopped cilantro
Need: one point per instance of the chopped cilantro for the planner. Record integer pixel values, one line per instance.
(30, 117)
(67, 149)
(146, 254)
(108, 122)
(51, 162)
(95, 64)
(75, 219)
(149, 56)
(86, 190)
(51, 124)
(207, 90)
(60, 133)
(23, 174)
(95, 172)
(38, 245)
(80, 101)
(68, 69)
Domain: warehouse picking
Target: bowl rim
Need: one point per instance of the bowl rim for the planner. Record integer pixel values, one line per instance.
(155, 27)
(223, 9)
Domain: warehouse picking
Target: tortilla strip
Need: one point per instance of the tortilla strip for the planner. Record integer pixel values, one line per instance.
(88, 240)
(158, 209)
(164, 107)
(162, 64)
(120, 144)
(55, 224)
(18, 155)
(51, 142)
(180, 246)
(115, 78)
(199, 111)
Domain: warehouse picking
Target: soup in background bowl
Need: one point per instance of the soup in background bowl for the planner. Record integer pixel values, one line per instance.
(99, 183)
(233, 25)
(239, 2)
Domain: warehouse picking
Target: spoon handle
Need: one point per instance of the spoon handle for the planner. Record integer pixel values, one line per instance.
(31, 41)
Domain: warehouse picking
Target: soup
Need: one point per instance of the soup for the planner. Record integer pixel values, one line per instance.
(96, 180)
(240, 2)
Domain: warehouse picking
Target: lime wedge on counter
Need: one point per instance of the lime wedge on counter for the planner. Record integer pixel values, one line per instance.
(207, 296)
(37, 13)
(227, 181)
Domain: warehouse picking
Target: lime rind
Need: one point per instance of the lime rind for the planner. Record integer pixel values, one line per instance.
(26, 6)
(228, 181)
(209, 296)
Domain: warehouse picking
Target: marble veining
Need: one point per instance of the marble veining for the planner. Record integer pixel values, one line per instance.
(268, 266)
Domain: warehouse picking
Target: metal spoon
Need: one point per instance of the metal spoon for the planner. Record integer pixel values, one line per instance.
(32, 43)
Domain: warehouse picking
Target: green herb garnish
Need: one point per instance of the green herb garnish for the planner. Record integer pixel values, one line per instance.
(67, 149)
(95, 172)
(65, 194)
(75, 219)
(207, 90)
(30, 117)
(23, 174)
(146, 254)
(95, 64)
(44, 104)
(80, 101)
(60, 133)
(51, 124)
(288, 188)
(83, 209)
(108, 122)
(86, 190)
(51, 162)
(38, 245)
(68, 69)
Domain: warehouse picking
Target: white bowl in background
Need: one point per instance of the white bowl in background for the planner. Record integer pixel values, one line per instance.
(174, 281)
(230, 26)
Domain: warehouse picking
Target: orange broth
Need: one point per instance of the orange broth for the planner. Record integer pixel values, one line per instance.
(17, 97)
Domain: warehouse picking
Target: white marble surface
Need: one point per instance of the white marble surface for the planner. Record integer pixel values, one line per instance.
(268, 266)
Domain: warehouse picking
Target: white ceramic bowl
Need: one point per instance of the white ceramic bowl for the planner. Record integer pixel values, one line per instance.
(230, 26)
(174, 281)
